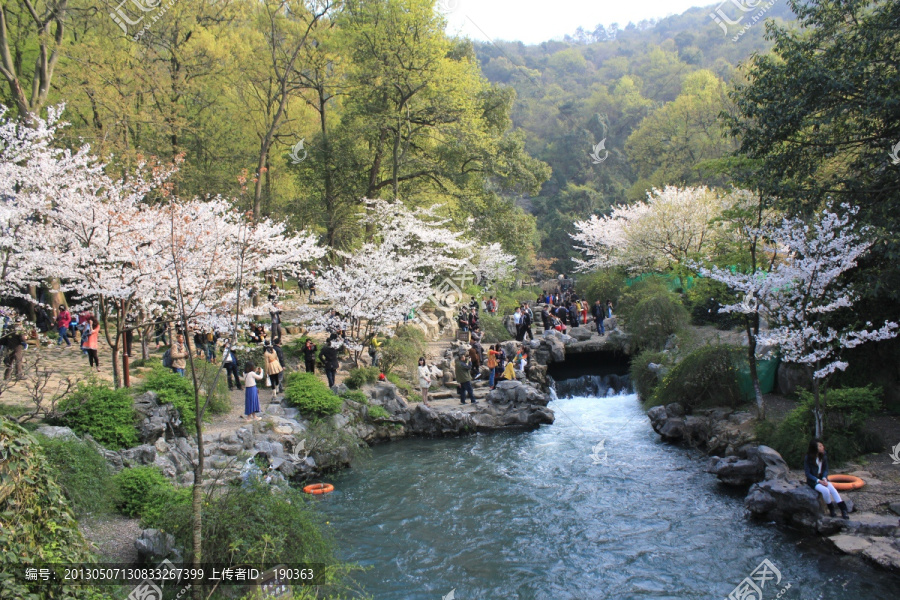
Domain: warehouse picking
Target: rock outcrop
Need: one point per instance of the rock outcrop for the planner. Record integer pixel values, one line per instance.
(720, 431)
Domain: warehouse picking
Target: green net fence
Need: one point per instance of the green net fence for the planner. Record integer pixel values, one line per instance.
(765, 370)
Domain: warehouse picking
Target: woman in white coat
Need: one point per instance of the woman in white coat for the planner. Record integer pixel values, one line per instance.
(426, 375)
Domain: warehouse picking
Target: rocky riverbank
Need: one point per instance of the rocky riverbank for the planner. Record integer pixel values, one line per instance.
(778, 494)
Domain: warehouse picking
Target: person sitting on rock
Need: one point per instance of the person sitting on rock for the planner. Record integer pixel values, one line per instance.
(815, 465)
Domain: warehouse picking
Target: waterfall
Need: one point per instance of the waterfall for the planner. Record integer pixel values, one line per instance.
(597, 386)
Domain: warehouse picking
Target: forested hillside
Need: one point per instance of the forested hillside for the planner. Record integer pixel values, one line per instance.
(652, 91)
(298, 108)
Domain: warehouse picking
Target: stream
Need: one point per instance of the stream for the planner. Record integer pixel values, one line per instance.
(591, 507)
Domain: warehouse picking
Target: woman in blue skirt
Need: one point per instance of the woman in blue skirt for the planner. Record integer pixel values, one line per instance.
(251, 395)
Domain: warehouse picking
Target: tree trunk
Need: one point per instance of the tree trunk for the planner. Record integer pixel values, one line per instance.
(752, 331)
(817, 411)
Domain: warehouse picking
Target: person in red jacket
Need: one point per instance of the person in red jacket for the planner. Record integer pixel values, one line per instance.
(62, 326)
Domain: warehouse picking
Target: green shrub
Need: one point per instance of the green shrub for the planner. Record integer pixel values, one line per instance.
(705, 377)
(705, 298)
(356, 396)
(311, 396)
(219, 402)
(494, 330)
(601, 285)
(106, 414)
(160, 501)
(82, 473)
(135, 487)
(37, 524)
(639, 290)
(173, 389)
(256, 526)
(844, 434)
(643, 379)
(405, 387)
(360, 376)
(140, 362)
(654, 318)
(378, 412)
(402, 351)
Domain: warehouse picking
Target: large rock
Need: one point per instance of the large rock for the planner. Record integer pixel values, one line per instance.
(781, 500)
(516, 392)
(385, 394)
(732, 470)
(153, 546)
(138, 456)
(54, 432)
(581, 334)
(157, 420)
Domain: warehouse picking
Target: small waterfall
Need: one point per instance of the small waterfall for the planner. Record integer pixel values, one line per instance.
(596, 386)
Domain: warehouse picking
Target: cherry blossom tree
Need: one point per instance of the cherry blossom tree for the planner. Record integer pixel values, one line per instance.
(376, 286)
(670, 227)
(802, 294)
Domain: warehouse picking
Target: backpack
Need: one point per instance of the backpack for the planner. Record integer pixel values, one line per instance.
(167, 358)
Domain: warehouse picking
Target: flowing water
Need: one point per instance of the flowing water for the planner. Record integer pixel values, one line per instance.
(556, 514)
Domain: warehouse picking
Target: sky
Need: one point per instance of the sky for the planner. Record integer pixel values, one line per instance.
(535, 21)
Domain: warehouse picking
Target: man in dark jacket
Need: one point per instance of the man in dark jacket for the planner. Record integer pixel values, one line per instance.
(329, 356)
(230, 364)
(597, 313)
(14, 342)
(546, 320)
(527, 320)
(276, 345)
(464, 379)
(309, 355)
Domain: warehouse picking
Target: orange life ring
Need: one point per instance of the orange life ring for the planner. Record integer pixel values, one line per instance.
(319, 488)
(844, 483)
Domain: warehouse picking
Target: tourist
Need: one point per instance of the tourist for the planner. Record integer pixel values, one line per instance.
(546, 320)
(14, 341)
(492, 362)
(329, 355)
(509, 371)
(597, 313)
(93, 333)
(426, 374)
(272, 366)
(210, 339)
(63, 319)
(179, 353)
(309, 355)
(275, 313)
(584, 311)
(475, 339)
(230, 364)
(473, 319)
(159, 333)
(463, 320)
(251, 394)
(474, 362)
(312, 287)
(464, 379)
(374, 345)
(815, 465)
(276, 346)
(273, 293)
(517, 320)
(527, 320)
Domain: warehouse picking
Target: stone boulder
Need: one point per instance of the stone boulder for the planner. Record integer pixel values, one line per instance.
(493, 417)
(385, 394)
(516, 392)
(157, 420)
(752, 464)
(153, 546)
(781, 500)
(54, 432)
(581, 334)
(424, 421)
